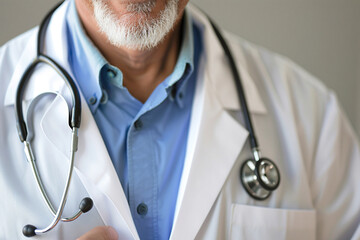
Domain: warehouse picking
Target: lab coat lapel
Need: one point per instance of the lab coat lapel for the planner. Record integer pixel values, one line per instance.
(220, 139)
(93, 166)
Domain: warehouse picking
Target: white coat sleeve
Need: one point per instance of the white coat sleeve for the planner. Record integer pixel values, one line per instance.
(335, 180)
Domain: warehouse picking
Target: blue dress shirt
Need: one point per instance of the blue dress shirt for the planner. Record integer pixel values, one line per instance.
(146, 142)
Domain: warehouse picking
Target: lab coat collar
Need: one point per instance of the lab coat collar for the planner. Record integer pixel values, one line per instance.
(214, 143)
(219, 70)
(92, 162)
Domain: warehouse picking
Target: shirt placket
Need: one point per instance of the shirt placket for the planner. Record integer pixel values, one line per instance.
(141, 156)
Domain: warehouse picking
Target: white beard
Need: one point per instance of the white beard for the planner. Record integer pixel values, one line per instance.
(144, 33)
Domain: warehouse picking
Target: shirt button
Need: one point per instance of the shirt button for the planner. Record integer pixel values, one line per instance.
(111, 73)
(138, 124)
(142, 209)
(92, 100)
(104, 97)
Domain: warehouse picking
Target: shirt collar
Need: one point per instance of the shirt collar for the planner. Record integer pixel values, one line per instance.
(85, 59)
(186, 55)
(176, 83)
(88, 64)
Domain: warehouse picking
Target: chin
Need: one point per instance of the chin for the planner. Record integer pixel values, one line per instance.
(137, 29)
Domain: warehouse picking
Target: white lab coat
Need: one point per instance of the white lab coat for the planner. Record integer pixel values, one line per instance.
(299, 125)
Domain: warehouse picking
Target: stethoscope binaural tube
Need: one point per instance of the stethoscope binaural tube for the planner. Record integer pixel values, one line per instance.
(74, 123)
(259, 176)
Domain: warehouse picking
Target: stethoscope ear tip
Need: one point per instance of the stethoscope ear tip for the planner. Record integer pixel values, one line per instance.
(29, 230)
(86, 204)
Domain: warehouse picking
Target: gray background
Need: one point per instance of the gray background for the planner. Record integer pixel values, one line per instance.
(323, 36)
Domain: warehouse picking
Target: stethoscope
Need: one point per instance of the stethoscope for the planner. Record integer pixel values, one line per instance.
(259, 175)
(74, 123)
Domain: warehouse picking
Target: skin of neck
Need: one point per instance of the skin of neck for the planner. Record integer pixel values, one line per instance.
(143, 70)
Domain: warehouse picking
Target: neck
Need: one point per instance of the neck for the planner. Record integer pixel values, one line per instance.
(143, 70)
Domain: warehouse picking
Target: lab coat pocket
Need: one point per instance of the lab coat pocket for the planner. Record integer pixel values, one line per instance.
(252, 222)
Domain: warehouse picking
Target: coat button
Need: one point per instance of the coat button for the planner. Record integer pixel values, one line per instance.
(142, 209)
(138, 124)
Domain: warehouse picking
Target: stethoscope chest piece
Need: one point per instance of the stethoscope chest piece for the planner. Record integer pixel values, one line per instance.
(260, 177)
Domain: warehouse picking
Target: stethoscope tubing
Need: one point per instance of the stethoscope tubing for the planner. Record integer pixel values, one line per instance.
(58, 214)
(238, 86)
(42, 29)
(75, 113)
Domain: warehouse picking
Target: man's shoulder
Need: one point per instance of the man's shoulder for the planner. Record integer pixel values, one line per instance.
(274, 71)
(285, 87)
(278, 67)
(11, 51)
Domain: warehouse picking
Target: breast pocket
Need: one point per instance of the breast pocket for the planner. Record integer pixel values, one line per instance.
(251, 222)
